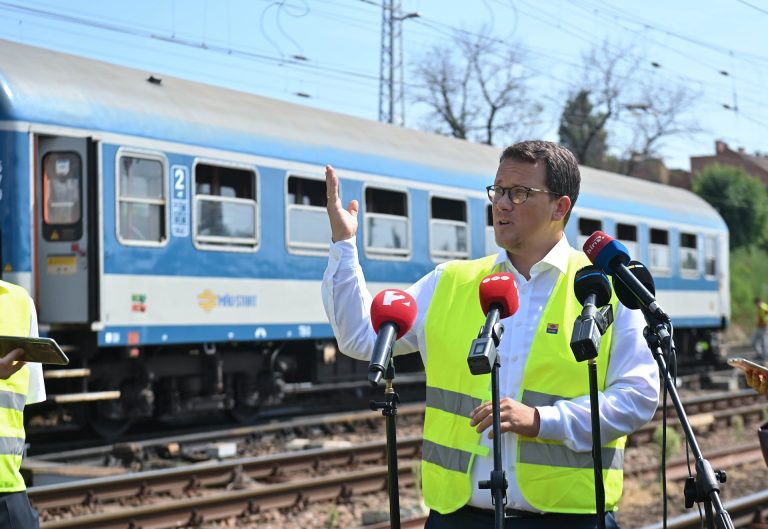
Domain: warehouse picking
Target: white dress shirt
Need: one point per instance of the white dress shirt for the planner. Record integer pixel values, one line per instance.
(632, 384)
(36, 383)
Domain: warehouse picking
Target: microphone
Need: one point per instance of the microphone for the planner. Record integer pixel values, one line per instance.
(392, 315)
(642, 274)
(612, 257)
(593, 290)
(498, 299)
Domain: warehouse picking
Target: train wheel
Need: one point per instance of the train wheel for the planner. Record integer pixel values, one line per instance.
(247, 398)
(108, 420)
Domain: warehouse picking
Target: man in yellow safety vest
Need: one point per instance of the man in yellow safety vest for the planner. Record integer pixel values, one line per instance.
(21, 383)
(545, 412)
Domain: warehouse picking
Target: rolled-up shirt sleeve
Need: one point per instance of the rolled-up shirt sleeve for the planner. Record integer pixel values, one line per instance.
(347, 304)
(628, 401)
(347, 301)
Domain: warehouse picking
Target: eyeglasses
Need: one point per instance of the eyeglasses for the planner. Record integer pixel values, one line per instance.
(517, 194)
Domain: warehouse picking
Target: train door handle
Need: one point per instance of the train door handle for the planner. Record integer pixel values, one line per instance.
(76, 248)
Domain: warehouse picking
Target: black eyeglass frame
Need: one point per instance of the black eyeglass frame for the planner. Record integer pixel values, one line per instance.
(509, 192)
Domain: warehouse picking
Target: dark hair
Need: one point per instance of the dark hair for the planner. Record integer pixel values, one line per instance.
(563, 175)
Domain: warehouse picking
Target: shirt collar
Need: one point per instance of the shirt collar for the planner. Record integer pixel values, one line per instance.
(557, 257)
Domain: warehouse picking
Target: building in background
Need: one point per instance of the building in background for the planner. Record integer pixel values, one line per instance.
(754, 164)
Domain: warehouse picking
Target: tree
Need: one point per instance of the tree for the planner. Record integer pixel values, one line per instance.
(740, 198)
(637, 110)
(475, 89)
(583, 131)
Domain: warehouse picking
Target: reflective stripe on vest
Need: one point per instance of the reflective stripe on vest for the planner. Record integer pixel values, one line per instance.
(15, 321)
(551, 476)
(450, 443)
(558, 455)
(452, 321)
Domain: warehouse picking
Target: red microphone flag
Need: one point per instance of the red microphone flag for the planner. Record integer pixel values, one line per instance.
(499, 289)
(394, 306)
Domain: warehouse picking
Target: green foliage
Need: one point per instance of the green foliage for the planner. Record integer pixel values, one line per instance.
(674, 441)
(416, 471)
(749, 278)
(737, 426)
(333, 518)
(740, 199)
(583, 131)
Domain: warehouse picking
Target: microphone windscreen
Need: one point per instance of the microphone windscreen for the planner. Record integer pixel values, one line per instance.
(393, 306)
(603, 251)
(625, 295)
(499, 289)
(592, 280)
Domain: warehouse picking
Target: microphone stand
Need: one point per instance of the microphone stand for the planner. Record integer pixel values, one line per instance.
(484, 358)
(585, 343)
(388, 409)
(705, 486)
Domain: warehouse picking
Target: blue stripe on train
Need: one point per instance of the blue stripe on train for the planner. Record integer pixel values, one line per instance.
(180, 334)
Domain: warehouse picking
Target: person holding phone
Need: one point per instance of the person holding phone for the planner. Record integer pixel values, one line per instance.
(757, 380)
(21, 383)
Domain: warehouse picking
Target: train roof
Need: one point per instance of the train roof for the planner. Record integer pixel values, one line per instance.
(43, 86)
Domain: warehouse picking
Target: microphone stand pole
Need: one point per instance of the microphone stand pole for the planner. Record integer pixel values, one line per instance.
(705, 486)
(597, 445)
(585, 343)
(483, 359)
(388, 409)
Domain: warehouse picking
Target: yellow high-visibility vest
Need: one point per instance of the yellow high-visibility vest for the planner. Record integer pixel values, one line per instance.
(551, 477)
(15, 317)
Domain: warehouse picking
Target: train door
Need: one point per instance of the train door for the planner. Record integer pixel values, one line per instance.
(65, 244)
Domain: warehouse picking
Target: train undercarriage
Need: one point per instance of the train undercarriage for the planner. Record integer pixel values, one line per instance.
(249, 381)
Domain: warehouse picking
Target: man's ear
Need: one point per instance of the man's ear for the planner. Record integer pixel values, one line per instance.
(563, 206)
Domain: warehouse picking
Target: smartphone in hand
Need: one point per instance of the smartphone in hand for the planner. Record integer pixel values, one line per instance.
(748, 365)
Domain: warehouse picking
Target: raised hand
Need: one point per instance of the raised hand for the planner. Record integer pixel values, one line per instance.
(343, 221)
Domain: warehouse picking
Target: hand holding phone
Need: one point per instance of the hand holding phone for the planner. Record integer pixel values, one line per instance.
(757, 375)
(11, 363)
(42, 350)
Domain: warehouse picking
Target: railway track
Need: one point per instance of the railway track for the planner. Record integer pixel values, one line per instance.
(749, 512)
(247, 486)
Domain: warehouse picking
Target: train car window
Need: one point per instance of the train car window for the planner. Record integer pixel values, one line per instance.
(141, 199)
(658, 252)
(307, 224)
(627, 235)
(62, 195)
(587, 227)
(225, 207)
(490, 238)
(710, 256)
(448, 231)
(689, 255)
(386, 223)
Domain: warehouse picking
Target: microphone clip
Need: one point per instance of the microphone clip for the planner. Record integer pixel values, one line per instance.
(483, 353)
(587, 331)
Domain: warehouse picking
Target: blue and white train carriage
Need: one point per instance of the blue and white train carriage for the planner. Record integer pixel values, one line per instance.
(174, 234)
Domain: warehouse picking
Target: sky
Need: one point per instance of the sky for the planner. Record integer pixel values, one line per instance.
(326, 53)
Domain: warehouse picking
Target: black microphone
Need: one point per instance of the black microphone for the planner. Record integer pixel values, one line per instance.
(593, 290)
(392, 315)
(612, 257)
(628, 299)
(625, 295)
